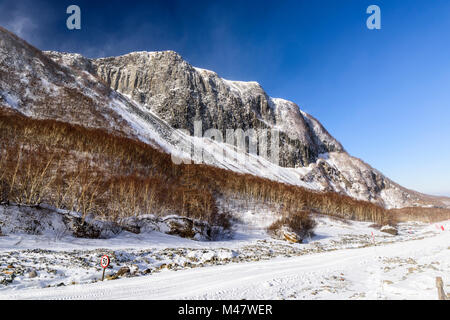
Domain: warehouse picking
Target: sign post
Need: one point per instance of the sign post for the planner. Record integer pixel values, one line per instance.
(104, 262)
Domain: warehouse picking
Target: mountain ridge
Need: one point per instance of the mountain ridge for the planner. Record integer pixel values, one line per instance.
(286, 110)
(177, 94)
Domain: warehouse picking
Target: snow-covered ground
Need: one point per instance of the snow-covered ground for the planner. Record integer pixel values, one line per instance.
(342, 261)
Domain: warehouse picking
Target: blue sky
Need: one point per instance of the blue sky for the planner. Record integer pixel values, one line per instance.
(385, 94)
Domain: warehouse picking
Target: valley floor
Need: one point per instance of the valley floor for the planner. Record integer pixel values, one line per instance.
(343, 261)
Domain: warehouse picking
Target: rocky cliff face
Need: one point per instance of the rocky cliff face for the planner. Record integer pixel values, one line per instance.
(181, 94)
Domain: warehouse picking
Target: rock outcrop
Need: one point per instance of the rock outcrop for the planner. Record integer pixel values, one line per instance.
(389, 229)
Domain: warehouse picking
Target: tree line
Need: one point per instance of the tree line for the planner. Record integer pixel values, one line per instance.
(94, 171)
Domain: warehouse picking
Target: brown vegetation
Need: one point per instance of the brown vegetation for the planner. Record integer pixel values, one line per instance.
(428, 215)
(93, 171)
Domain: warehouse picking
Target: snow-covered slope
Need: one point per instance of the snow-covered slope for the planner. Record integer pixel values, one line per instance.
(148, 95)
(342, 262)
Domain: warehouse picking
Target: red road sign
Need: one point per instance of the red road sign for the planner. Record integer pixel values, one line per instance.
(104, 262)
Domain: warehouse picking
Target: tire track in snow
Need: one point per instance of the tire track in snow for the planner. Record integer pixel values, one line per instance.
(231, 281)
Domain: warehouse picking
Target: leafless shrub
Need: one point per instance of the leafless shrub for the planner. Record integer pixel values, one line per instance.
(299, 222)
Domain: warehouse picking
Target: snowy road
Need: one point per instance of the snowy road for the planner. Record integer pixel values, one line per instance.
(404, 270)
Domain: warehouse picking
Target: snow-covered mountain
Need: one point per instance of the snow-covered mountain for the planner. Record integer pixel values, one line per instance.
(148, 95)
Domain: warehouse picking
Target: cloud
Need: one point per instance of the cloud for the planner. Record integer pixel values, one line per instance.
(21, 25)
(20, 18)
